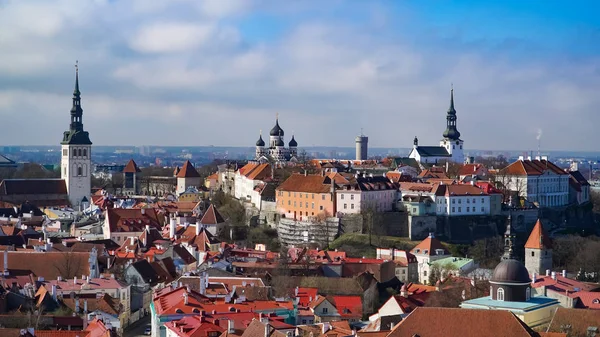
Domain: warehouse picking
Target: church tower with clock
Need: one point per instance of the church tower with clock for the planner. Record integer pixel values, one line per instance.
(76, 152)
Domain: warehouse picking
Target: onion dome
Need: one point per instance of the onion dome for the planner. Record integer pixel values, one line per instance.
(293, 142)
(279, 142)
(260, 141)
(276, 130)
(510, 271)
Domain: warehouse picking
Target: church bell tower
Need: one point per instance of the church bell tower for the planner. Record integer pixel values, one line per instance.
(76, 152)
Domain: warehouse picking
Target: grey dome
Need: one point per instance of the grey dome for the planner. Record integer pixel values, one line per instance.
(260, 141)
(279, 142)
(293, 142)
(276, 130)
(511, 271)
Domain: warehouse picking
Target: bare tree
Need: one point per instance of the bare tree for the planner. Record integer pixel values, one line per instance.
(372, 223)
(70, 265)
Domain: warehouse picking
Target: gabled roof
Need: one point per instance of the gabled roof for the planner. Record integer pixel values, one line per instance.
(305, 183)
(144, 268)
(429, 246)
(131, 167)
(531, 168)
(451, 322)
(434, 172)
(432, 151)
(257, 328)
(459, 190)
(188, 171)
(32, 186)
(202, 241)
(470, 169)
(212, 216)
(133, 220)
(578, 319)
(49, 265)
(538, 239)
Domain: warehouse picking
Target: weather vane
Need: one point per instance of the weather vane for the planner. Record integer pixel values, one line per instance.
(77, 65)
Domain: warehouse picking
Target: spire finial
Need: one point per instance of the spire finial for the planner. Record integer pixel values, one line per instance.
(260, 132)
(277, 116)
(451, 97)
(76, 91)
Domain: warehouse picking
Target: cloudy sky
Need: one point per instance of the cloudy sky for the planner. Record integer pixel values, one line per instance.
(215, 72)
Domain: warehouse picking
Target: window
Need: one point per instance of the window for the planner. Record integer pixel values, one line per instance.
(482, 209)
(79, 171)
(500, 294)
(303, 321)
(320, 208)
(351, 206)
(85, 152)
(467, 209)
(414, 210)
(289, 194)
(468, 202)
(453, 210)
(345, 206)
(300, 195)
(532, 254)
(482, 200)
(294, 204)
(474, 200)
(300, 204)
(306, 195)
(425, 273)
(322, 196)
(459, 201)
(342, 197)
(65, 152)
(351, 196)
(313, 205)
(306, 204)
(459, 209)
(325, 310)
(289, 202)
(313, 195)
(454, 201)
(527, 294)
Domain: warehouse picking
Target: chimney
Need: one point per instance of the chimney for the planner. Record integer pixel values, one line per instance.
(230, 326)
(564, 273)
(54, 297)
(6, 262)
(85, 309)
(533, 278)
(143, 211)
(75, 280)
(185, 298)
(77, 305)
(172, 227)
(198, 228)
(267, 330)
(554, 275)
(147, 228)
(547, 272)
(296, 291)
(132, 240)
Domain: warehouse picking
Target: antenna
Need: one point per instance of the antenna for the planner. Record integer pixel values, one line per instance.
(361, 132)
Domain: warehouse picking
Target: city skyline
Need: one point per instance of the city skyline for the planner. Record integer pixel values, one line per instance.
(216, 72)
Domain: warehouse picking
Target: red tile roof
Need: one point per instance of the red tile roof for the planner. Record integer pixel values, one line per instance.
(588, 299)
(259, 172)
(202, 241)
(193, 326)
(429, 247)
(538, 239)
(49, 265)
(308, 184)
(212, 216)
(579, 321)
(133, 220)
(348, 306)
(451, 322)
(531, 167)
(470, 169)
(188, 171)
(459, 190)
(131, 167)
(563, 285)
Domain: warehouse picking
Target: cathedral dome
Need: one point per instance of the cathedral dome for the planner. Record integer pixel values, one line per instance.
(293, 142)
(510, 271)
(260, 141)
(451, 133)
(279, 142)
(276, 130)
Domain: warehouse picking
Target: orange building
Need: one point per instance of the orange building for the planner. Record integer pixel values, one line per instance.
(302, 196)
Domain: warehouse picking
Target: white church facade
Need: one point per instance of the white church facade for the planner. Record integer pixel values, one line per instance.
(276, 152)
(450, 148)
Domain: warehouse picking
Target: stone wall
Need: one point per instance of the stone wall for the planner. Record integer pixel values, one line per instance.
(466, 229)
(389, 223)
(419, 227)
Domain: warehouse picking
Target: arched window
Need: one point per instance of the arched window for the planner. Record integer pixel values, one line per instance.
(79, 171)
(500, 294)
(532, 253)
(85, 152)
(528, 294)
(84, 170)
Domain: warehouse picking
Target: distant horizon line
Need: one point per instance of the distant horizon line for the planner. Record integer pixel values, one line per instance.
(533, 152)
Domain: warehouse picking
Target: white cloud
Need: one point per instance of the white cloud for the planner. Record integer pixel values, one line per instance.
(158, 71)
(171, 37)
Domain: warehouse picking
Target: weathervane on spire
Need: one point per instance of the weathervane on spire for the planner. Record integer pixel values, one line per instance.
(77, 65)
(277, 115)
(260, 132)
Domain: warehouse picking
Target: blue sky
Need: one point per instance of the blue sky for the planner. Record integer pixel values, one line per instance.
(215, 72)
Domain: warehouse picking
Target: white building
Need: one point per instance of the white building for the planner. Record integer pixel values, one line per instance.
(248, 178)
(580, 188)
(76, 147)
(426, 252)
(370, 192)
(187, 177)
(539, 181)
(451, 146)
(460, 200)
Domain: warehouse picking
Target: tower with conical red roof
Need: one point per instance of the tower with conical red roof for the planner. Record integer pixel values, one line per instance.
(538, 250)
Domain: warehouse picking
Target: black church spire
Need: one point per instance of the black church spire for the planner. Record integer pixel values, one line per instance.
(76, 134)
(451, 131)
